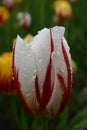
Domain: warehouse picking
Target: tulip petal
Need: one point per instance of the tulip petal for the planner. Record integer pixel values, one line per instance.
(41, 50)
(57, 101)
(25, 65)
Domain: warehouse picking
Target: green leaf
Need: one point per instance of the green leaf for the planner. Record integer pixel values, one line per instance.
(83, 96)
(81, 126)
(79, 121)
(14, 107)
(24, 121)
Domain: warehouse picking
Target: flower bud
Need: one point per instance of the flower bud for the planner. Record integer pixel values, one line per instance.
(42, 72)
(63, 10)
(6, 81)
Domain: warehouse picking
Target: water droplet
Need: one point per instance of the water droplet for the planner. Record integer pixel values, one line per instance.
(33, 90)
(33, 78)
(22, 52)
(62, 69)
(28, 94)
(40, 60)
(25, 75)
(58, 53)
(24, 69)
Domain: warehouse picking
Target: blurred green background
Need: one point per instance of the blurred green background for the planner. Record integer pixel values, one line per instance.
(74, 117)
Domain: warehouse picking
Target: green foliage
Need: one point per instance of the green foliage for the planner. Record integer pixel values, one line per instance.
(79, 121)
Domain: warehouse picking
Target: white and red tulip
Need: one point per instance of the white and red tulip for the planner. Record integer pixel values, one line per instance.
(24, 20)
(11, 4)
(42, 72)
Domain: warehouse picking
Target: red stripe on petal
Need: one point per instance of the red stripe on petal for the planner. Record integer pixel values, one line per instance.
(69, 79)
(37, 90)
(17, 85)
(66, 89)
(47, 87)
(65, 93)
(51, 42)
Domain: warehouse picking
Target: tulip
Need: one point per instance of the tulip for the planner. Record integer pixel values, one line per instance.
(42, 72)
(6, 81)
(4, 15)
(27, 38)
(24, 20)
(11, 4)
(63, 10)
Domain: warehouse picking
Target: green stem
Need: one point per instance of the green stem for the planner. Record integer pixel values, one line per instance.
(20, 118)
(15, 112)
(35, 123)
(40, 123)
(45, 124)
(24, 120)
(0, 2)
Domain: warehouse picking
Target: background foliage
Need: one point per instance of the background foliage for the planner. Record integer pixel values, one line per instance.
(74, 117)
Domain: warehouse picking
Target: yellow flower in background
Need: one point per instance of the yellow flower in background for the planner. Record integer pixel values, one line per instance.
(18, 1)
(74, 66)
(4, 15)
(6, 82)
(63, 10)
(28, 38)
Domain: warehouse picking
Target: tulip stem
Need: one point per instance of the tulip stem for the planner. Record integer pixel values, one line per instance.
(45, 124)
(0, 2)
(24, 120)
(15, 112)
